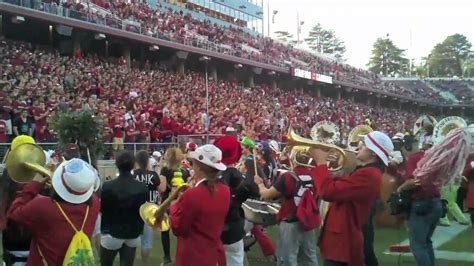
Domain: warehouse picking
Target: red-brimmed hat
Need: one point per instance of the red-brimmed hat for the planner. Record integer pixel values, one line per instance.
(231, 149)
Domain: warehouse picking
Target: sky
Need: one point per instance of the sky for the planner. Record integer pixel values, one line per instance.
(360, 22)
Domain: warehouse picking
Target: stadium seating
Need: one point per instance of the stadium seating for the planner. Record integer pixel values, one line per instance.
(156, 104)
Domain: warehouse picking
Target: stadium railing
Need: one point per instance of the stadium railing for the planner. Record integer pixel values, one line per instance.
(136, 27)
(108, 151)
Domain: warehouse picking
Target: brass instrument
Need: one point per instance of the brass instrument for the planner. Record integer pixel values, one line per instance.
(153, 214)
(423, 124)
(25, 161)
(355, 136)
(299, 150)
(445, 126)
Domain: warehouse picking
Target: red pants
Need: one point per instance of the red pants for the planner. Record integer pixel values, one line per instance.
(265, 243)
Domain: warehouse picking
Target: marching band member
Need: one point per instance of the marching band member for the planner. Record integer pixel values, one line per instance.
(350, 200)
(155, 184)
(121, 225)
(295, 246)
(50, 219)
(15, 238)
(198, 216)
(250, 168)
(241, 189)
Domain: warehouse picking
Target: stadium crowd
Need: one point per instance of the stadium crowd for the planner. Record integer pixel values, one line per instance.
(151, 105)
(179, 27)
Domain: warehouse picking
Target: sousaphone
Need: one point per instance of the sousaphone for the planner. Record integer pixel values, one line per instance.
(424, 124)
(25, 161)
(355, 136)
(326, 132)
(445, 126)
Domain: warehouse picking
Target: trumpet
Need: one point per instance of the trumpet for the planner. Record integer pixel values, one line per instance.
(153, 214)
(299, 150)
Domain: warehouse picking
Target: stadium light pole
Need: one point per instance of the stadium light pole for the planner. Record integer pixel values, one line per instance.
(298, 28)
(206, 60)
(268, 18)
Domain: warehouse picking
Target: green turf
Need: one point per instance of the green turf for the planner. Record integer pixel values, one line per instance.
(463, 242)
(384, 237)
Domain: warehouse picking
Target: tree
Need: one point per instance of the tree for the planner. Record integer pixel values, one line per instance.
(447, 58)
(82, 128)
(285, 37)
(388, 59)
(326, 41)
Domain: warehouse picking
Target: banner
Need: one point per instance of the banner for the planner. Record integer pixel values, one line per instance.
(311, 75)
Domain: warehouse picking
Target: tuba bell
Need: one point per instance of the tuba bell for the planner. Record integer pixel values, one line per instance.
(445, 126)
(299, 147)
(424, 124)
(354, 136)
(25, 161)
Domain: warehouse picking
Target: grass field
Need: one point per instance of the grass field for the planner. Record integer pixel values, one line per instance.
(463, 242)
(384, 237)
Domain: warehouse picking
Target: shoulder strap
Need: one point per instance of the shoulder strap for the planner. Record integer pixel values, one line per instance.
(69, 221)
(45, 263)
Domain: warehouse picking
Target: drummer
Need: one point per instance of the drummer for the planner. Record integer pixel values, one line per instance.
(295, 246)
(241, 189)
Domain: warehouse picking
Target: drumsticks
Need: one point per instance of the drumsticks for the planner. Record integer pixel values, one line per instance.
(255, 161)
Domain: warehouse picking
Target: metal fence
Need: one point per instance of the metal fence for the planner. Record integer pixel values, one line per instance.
(109, 148)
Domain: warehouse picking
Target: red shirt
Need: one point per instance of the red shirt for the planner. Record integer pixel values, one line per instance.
(166, 123)
(117, 128)
(130, 136)
(5, 109)
(3, 131)
(51, 232)
(39, 112)
(155, 133)
(425, 190)
(350, 201)
(197, 225)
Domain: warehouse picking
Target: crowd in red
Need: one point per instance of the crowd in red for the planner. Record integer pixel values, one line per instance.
(180, 27)
(148, 105)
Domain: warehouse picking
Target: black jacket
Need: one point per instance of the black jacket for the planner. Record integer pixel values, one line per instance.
(120, 203)
(241, 188)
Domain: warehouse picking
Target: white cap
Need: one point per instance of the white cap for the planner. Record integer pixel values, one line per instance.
(379, 143)
(209, 155)
(157, 154)
(152, 161)
(74, 181)
(399, 135)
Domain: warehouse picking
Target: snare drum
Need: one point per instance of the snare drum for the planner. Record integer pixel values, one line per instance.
(261, 212)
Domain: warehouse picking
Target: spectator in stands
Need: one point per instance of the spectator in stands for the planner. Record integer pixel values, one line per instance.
(22, 125)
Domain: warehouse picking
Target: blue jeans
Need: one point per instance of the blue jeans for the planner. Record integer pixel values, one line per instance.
(422, 221)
